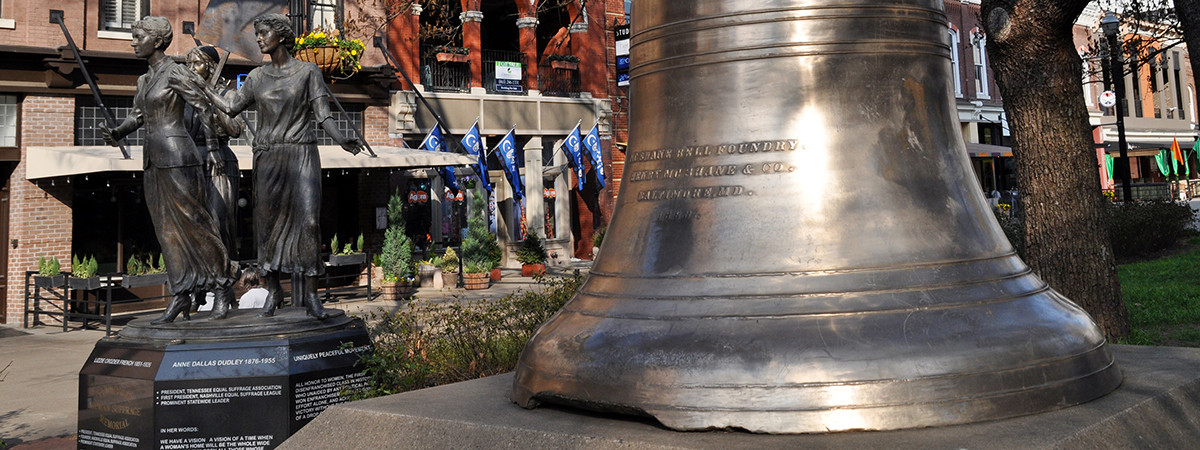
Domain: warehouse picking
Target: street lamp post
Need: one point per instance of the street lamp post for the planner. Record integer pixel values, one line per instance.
(1112, 26)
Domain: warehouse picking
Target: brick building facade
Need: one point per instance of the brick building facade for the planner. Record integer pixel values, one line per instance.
(99, 211)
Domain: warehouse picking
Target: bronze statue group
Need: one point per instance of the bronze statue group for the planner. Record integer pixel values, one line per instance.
(191, 175)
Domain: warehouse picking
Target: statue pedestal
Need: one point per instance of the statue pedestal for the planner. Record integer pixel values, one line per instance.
(242, 382)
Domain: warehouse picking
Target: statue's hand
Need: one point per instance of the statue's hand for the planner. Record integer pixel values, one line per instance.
(352, 145)
(107, 133)
(216, 162)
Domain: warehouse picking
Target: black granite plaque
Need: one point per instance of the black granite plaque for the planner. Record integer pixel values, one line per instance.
(186, 391)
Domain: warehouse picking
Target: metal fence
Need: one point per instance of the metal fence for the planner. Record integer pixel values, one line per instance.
(490, 57)
(445, 76)
(558, 82)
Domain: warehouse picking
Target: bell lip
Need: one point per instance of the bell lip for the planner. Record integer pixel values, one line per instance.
(950, 410)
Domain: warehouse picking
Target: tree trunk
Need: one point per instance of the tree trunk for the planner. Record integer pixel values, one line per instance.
(1038, 71)
(1188, 12)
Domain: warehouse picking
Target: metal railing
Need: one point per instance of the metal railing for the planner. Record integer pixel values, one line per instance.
(490, 57)
(445, 76)
(558, 82)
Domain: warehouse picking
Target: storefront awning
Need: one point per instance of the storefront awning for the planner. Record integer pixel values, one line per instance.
(1143, 148)
(49, 162)
(988, 151)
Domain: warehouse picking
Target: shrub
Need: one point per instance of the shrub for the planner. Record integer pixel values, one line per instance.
(1139, 228)
(1135, 229)
(1013, 229)
(432, 344)
(396, 257)
(598, 237)
(479, 248)
(83, 268)
(49, 267)
(532, 251)
(449, 262)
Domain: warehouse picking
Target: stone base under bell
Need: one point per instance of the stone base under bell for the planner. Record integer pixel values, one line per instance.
(1158, 405)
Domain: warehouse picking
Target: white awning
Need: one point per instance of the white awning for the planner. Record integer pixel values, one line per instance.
(49, 162)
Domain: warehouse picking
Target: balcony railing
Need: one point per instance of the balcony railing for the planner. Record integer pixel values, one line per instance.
(445, 76)
(490, 57)
(558, 82)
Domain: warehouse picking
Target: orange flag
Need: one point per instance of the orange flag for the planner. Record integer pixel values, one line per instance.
(1175, 152)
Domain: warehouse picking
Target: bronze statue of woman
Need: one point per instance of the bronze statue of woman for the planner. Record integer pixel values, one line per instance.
(175, 183)
(290, 96)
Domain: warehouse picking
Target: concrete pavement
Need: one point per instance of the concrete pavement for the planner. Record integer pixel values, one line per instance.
(39, 391)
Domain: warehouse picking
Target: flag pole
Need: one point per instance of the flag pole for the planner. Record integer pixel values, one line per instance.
(56, 16)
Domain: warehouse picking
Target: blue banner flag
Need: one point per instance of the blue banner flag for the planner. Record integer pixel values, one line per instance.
(592, 142)
(576, 154)
(433, 141)
(474, 145)
(508, 157)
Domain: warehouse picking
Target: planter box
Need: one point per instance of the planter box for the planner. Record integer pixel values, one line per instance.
(473, 281)
(398, 291)
(453, 57)
(150, 279)
(564, 65)
(529, 270)
(352, 259)
(449, 279)
(495, 274)
(49, 282)
(425, 274)
(84, 284)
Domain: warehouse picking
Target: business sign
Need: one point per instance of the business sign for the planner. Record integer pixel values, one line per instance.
(1108, 99)
(508, 76)
(622, 52)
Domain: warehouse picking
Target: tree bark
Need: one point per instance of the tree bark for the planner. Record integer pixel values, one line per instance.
(1038, 71)
(1188, 12)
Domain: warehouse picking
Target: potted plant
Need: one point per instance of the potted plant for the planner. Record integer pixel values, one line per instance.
(449, 53)
(396, 257)
(449, 266)
(564, 62)
(532, 256)
(83, 273)
(480, 252)
(475, 275)
(346, 256)
(49, 273)
(597, 239)
(144, 273)
(330, 52)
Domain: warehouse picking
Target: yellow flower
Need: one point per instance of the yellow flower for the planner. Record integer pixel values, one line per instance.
(300, 41)
(353, 52)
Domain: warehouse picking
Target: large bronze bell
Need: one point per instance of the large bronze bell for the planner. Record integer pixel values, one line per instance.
(799, 243)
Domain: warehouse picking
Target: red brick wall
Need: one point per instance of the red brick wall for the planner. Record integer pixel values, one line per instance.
(375, 127)
(40, 217)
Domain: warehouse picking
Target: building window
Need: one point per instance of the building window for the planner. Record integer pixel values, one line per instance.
(980, 54)
(6, 23)
(119, 15)
(1178, 86)
(955, 70)
(325, 14)
(1136, 78)
(88, 118)
(8, 121)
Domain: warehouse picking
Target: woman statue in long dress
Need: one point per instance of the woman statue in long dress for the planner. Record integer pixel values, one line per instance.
(224, 182)
(290, 96)
(175, 183)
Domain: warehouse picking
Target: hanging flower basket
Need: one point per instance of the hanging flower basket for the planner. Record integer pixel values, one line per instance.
(564, 65)
(452, 57)
(335, 56)
(326, 58)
